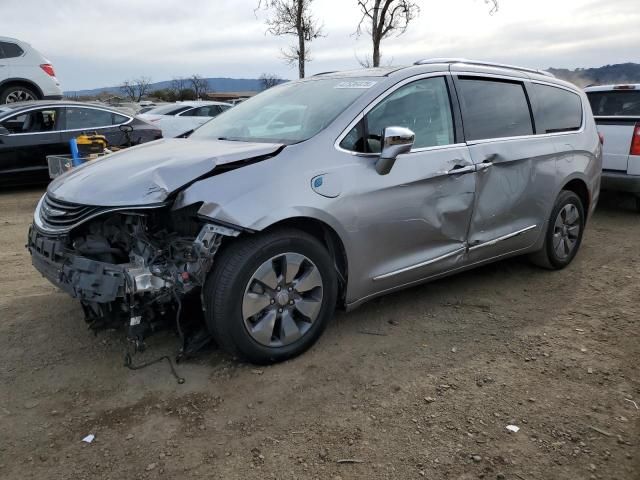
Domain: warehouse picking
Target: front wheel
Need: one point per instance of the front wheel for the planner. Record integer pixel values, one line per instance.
(564, 232)
(270, 296)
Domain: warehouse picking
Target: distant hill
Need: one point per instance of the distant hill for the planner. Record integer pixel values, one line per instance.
(619, 73)
(215, 84)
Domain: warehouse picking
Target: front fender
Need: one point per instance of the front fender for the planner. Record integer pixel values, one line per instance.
(251, 198)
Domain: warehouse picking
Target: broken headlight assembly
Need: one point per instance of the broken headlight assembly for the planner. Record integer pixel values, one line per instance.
(131, 267)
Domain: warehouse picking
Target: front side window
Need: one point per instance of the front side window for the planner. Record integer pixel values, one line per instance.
(288, 113)
(33, 121)
(559, 110)
(493, 109)
(80, 118)
(615, 103)
(10, 50)
(422, 106)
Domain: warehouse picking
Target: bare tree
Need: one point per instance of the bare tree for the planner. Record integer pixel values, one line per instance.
(136, 89)
(493, 6)
(268, 80)
(178, 84)
(383, 18)
(199, 85)
(293, 17)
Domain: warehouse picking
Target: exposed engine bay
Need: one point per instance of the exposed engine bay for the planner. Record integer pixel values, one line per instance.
(130, 268)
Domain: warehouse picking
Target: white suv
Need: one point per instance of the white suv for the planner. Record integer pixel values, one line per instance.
(25, 74)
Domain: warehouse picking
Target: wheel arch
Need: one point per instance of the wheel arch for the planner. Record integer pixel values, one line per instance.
(580, 188)
(329, 238)
(17, 82)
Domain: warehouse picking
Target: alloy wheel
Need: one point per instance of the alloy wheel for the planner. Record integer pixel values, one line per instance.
(566, 231)
(282, 299)
(19, 96)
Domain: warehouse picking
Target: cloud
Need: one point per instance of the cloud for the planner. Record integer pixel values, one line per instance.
(111, 40)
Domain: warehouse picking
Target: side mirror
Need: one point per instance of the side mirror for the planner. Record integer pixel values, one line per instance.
(395, 141)
(126, 128)
(4, 131)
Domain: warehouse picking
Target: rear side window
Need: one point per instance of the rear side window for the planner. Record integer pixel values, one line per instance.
(615, 103)
(79, 118)
(10, 50)
(494, 109)
(118, 119)
(204, 111)
(174, 111)
(558, 110)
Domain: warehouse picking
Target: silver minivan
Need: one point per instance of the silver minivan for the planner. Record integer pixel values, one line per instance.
(369, 181)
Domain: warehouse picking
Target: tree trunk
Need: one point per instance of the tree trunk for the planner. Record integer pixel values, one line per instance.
(301, 56)
(376, 51)
(301, 42)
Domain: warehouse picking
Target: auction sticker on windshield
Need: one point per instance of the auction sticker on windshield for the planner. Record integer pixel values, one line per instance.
(356, 84)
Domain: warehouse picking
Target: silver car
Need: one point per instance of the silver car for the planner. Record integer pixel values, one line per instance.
(368, 182)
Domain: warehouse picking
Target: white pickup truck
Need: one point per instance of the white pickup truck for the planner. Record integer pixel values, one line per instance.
(616, 109)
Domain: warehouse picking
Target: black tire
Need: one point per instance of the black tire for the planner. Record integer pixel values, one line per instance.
(638, 204)
(547, 257)
(233, 269)
(7, 92)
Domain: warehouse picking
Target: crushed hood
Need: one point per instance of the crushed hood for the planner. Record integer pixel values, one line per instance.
(149, 173)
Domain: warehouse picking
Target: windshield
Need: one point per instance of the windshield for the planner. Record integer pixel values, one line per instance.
(615, 103)
(289, 113)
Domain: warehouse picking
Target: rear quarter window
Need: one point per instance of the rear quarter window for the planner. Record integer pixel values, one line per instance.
(557, 110)
(494, 108)
(615, 103)
(10, 50)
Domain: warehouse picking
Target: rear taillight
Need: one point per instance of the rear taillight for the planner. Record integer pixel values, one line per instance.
(48, 68)
(601, 137)
(635, 141)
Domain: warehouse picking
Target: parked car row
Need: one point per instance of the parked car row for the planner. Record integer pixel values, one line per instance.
(178, 118)
(29, 131)
(352, 185)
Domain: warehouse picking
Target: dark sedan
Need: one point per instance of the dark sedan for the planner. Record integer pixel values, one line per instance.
(29, 131)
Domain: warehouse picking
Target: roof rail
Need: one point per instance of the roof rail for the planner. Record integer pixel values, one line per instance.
(428, 61)
(324, 73)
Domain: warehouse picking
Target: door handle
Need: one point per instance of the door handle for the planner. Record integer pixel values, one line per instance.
(481, 167)
(461, 170)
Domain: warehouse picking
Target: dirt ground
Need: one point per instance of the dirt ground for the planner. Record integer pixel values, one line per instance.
(419, 384)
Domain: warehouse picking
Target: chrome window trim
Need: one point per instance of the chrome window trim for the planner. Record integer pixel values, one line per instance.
(521, 80)
(378, 100)
(421, 264)
(489, 243)
(39, 224)
(535, 135)
(68, 129)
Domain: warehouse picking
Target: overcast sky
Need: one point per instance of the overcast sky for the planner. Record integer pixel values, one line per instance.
(103, 42)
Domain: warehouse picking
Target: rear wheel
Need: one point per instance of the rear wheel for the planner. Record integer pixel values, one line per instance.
(17, 93)
(564, 233)
(270, 296)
